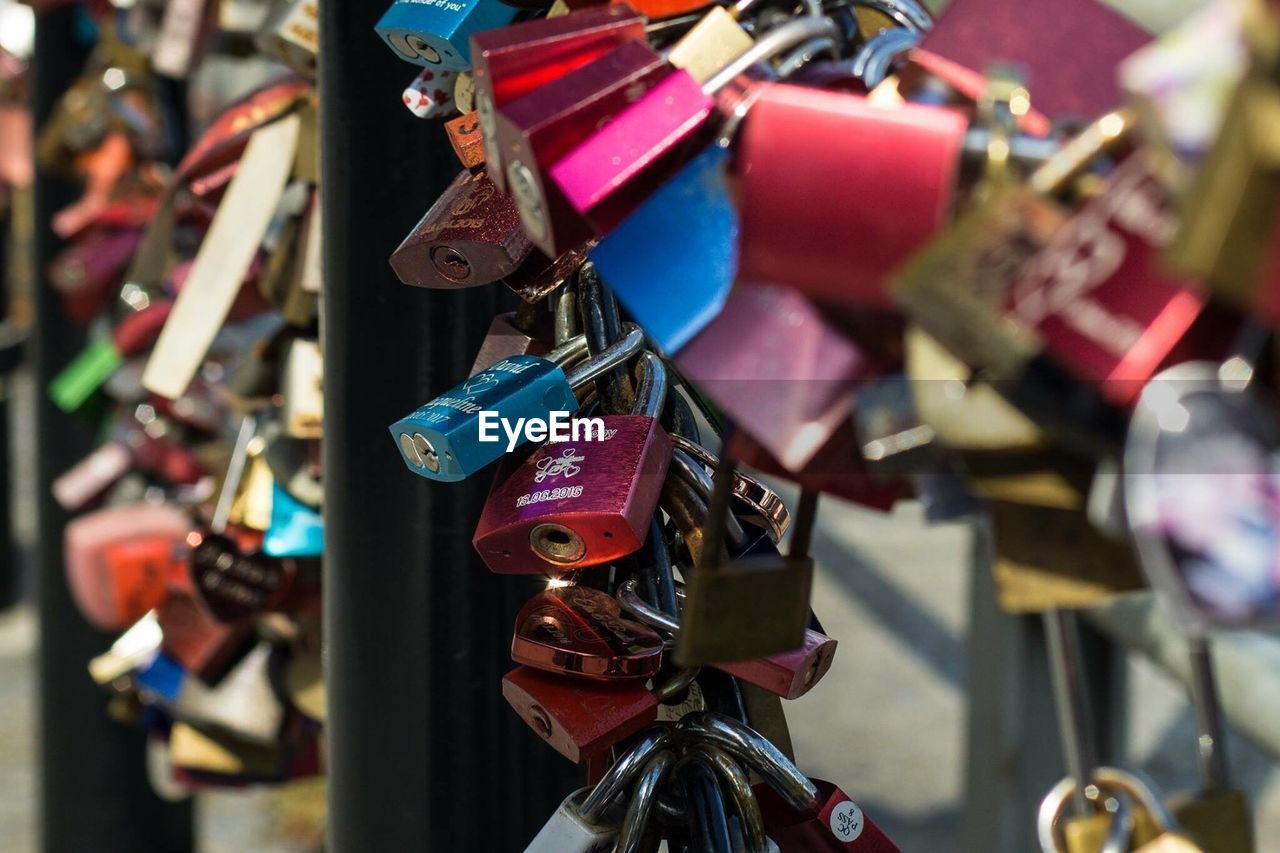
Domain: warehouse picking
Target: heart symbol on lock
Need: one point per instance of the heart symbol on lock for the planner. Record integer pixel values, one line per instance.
(234, 586)
(579, 631)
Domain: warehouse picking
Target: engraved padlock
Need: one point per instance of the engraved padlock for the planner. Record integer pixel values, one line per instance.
(514, 61)
(466, 139)
(793, 386)
(471, 236)
(582, 632)
(608, 175)
(535, 131)
(580, 718)
(438, 35)
(461, 431)
(581, 502)
(119, 561)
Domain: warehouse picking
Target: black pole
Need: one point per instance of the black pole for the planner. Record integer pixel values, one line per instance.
(94, 790)
(423, 751)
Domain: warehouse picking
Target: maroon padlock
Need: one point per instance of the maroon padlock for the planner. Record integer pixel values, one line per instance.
(583, 501)
(234, 585)
(513, 333)
(581, 632)
(204, 646)
(471, 236)
(839, 823)
(510, 62)
(537, 130)
(1098, 295)
(581, 719)
(777, 370)
(877, 182)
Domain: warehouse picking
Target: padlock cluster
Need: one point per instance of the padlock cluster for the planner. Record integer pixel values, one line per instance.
(1010, 265)
(196, 533)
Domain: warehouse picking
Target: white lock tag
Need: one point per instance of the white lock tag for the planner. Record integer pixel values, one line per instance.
(224, 258)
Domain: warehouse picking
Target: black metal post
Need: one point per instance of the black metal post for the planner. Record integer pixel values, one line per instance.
(423, 751)
(94, 790)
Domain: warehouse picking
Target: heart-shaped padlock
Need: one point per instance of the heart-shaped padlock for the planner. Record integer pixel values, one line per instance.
(579, 631)
(234, 586)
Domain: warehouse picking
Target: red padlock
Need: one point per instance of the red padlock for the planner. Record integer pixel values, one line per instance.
(839, 823)
(510, 62)
(581, 719)
(204, 646)
(876, 183)
(579, 631)
(584, 501)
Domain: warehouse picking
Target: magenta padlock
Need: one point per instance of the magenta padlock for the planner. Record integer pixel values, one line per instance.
(834, 216)
(535, 131)
(1098, 296)
(777, 370)
(838, 824)
(581, 502)
(608, 175)
(511, 62)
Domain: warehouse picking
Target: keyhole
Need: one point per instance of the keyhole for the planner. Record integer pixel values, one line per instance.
(451, 263)
(557, 543)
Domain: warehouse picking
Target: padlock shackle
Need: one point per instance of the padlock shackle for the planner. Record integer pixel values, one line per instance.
(640, 809)
(564, 307)
(623, 771)
(737, 783)
(708, 820)
(688, 470)
(763, 500)
(569, 352)
(813, 8)
(755, 749)
(632, 603)
(871, 62)
(617, 354)
(1120, 833)
(1081, 150)
(235, 473)
(675, 684)
(651, 387)
(773, 43)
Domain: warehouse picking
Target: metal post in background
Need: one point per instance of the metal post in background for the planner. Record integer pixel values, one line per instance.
(94, 793)
(423, 751)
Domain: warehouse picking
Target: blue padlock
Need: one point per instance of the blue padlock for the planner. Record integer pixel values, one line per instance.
(437, 33)
(296, 529)
(691, 218)
(163, 677)
(442, 440)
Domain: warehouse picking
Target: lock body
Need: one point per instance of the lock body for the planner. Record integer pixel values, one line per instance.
(581, 632)
(538, 129)
(514, 61)
(438, 36)
(441, 440)
(200, 644)
(471, 236)
(466, 139)
(119, 561)
(792, 388)
(789, 675)
(232, 585)
(611, 173)
(579, 719)
(839, 824)
(577, 503)
(876, 183)
(506, 338)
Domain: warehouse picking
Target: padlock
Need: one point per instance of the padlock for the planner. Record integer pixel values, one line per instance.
(608, 175)
(199, 643)
(514, 61)
(296, 531)
(443, 439)
(1152, 827)
(302, 387)
(711, 44)
(86, 270)
(578, 825)
(900, 163)
(234, 586)
(513, 333)
(578, 631)
(469, 237)
(751, 607)
(693, 217)
(1070, 59)
(466, 139)
(291, 34)
(792, 387)
(201, 754)
(536, 130)
(789, 675)
(799, 814)
(579, 503)
(579, 718)
(640, 807)
(430, 94)
(134, 334)
(439, 36)
(119, 561)
(135, 649)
